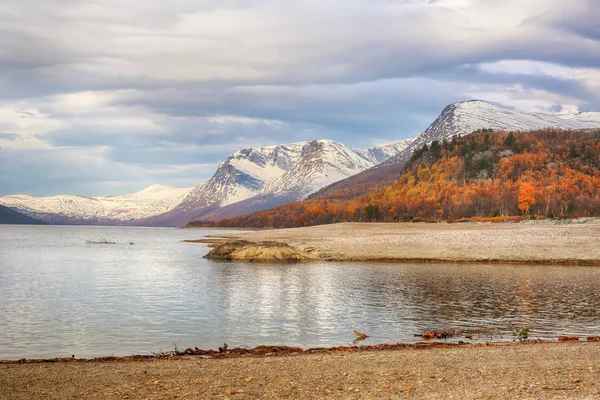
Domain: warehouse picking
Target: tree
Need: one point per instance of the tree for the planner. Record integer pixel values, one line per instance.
(509, 140)
(526, 198)
(372, 212)
(573, 151)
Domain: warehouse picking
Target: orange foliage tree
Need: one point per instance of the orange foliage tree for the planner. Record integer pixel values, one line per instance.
(526, 197)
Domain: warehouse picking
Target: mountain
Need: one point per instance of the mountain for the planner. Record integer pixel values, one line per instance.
(8, 216)
(242, 175)
(469, 116)
(322, 163)
(460, 118)
(253, 179)
(259, 178)
(121, 209)
(484, 176)
(381, 153)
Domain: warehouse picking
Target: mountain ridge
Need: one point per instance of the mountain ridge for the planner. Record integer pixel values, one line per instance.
(251, 179)
(256, 178)
(117, 209)
(490, 116)
(484, 176)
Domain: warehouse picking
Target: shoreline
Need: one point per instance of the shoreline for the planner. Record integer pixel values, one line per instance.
(428, 370)
(509, 243)
(263, 351)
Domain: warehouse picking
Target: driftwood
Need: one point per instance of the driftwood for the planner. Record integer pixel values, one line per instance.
(101, 241)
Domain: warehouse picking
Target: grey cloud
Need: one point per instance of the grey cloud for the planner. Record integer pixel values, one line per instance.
(579, 18)
(553, 84)
(384, 48)
(9, 136)
(354, 71)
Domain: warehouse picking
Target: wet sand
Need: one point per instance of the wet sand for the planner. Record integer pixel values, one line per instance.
(533, 243)
(558, 371)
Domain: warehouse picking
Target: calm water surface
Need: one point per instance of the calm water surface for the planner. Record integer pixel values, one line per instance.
(60, 296)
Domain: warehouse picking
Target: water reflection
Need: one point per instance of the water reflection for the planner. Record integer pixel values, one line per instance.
(59, 296)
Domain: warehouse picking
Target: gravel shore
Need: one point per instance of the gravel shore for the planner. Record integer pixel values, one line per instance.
(541, 371)
(542, 243)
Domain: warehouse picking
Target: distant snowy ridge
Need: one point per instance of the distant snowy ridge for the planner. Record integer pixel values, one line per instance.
(243, 174)
(151, 201)
(381, 153)
(587, 117)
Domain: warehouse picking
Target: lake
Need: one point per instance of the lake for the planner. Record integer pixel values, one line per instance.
(62, 295)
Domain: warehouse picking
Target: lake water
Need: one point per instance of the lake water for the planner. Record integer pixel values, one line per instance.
(60, 295)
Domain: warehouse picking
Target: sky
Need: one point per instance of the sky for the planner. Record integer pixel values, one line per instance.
(101, 97)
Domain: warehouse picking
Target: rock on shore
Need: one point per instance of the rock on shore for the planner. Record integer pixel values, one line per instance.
(244, 250)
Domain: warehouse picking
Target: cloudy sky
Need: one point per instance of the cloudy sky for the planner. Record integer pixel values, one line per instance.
(105, 97)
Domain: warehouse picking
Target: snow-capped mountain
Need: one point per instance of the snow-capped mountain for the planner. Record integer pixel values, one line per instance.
(151, 201)
(244, 174)
(323, 162)
(587, 117)
(468, 116)
(254, 178)
(381, 153)
(457, 119)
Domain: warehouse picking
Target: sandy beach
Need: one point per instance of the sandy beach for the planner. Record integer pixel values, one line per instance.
(558, 371)
(535, 242)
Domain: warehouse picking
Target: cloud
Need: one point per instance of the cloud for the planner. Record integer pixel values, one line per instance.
(140, 88)
(9, 136)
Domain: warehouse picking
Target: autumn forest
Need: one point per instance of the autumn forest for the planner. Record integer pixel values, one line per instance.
(487, 175)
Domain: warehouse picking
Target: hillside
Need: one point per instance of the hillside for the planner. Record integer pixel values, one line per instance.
(456, 119)
(550, 173)
(8, 216)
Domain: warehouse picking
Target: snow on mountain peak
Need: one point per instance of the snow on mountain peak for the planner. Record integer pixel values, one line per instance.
(468, 116)
(465, 117)
(148, 202)
(323, 163)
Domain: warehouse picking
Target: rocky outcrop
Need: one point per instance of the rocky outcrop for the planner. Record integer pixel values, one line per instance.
(246, 251)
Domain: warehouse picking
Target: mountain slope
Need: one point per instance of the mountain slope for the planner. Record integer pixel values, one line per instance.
(469, 116)
(153, 200)
(254, 179)
(323, 162)
(495, 175)
(460, 118)
(8, 216)
(244, 174)
(456, 119)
